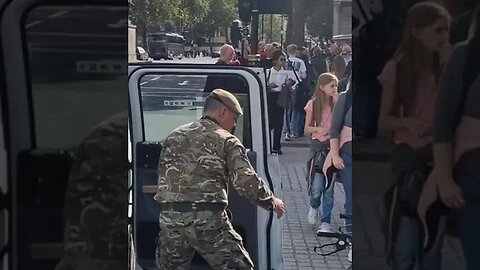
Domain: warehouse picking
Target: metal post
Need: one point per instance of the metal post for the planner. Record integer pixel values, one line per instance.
(263, 32)
(254, 32)
(281, 33)
(271, 27)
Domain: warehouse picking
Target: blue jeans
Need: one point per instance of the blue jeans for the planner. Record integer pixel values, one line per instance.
(298, 121)
(346, 176)
(317, 189)
(287, 119)
(407, 247)
(468, 219)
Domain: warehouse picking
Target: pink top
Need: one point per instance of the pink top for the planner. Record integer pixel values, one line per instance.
(325, 123)
(424, 108)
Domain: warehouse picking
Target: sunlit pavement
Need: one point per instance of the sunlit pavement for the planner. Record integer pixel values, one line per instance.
(299, 236)
(371, 178)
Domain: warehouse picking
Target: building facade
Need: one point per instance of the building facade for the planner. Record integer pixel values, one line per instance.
(342, 17)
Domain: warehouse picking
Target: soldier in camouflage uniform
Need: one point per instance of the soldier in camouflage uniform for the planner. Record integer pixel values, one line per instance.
(95, 209)
(197, 163)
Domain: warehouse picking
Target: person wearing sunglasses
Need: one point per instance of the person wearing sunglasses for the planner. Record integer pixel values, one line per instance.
(279, 83)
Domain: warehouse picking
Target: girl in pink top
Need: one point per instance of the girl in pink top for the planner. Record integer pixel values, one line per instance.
(409, 91)
(317, 124)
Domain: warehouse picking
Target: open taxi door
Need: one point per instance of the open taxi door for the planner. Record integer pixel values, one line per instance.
(164, 96)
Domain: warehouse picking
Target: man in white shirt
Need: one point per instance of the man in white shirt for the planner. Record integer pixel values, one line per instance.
(296, 69)
(294, 63)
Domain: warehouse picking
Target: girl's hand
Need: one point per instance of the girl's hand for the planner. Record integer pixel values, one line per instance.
(449, 192)
(322, 131)
(338, 162)
(416, 126)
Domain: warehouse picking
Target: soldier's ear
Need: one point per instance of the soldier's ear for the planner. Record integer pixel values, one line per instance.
(223, 111)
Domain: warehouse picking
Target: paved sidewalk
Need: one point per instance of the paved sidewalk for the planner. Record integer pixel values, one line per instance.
(299, 236)
(372, 177)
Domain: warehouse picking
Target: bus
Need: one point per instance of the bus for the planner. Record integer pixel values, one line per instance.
(165, 45)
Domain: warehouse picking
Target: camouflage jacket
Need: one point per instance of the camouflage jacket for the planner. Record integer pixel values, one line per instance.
(95, 210)
(197, 162)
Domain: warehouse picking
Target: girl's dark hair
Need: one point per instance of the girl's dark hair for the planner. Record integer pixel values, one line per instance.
(410, 55)
(276, 55)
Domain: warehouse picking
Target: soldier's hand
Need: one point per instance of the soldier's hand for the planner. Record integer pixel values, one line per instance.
(278, 207)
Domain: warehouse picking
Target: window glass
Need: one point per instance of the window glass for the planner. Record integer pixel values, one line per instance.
(73, 68)
(169, 101)
(157, 37)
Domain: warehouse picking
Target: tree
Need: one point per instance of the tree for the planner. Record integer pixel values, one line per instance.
(296, 22)
(148, 13)
(220, 15)
(320, 18)
(272, 28)
(202, 17)
(180, 14)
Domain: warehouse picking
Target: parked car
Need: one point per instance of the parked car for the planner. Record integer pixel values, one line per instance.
(142, 55)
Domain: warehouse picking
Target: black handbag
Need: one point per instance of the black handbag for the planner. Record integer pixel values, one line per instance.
(284, 96)
(301, 93)
(301, 96)
(410, 188)
(320, 155)
(319, 160)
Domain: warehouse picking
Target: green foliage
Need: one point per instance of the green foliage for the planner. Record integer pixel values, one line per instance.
(272, 28)
(220, 16)
(205, 16)
(319, 18)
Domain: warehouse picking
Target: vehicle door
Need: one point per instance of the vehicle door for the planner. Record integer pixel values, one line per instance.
(163, 97)
(61, 61)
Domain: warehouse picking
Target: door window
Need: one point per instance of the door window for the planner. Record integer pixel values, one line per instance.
(171, 100)
(76, 61)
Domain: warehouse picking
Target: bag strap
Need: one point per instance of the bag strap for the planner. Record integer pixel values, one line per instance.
(294, 71)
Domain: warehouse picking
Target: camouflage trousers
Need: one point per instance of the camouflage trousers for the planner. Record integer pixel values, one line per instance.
(209, 233)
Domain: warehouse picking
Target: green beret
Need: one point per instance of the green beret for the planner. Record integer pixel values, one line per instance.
(227, 99)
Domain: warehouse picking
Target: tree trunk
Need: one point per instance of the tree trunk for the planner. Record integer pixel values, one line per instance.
(299, 13)
(289, 32)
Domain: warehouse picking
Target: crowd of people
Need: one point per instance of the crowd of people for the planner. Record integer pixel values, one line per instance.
(301, 68)
(309, 94)
(429, 98)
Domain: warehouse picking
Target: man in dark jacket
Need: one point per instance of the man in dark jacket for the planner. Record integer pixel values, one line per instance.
(318, 61)
(231, 83)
